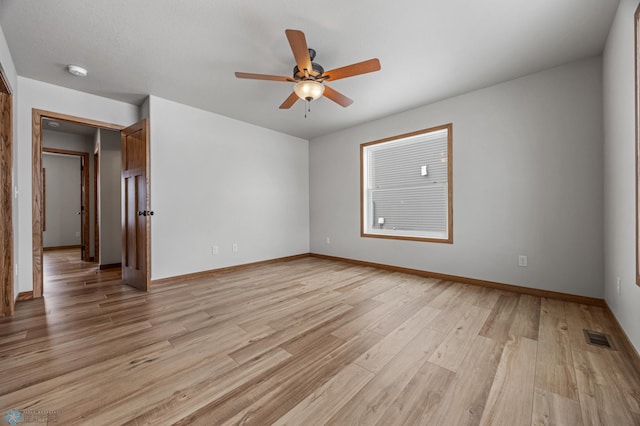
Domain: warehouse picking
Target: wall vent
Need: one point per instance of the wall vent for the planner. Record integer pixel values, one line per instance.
(598, 339)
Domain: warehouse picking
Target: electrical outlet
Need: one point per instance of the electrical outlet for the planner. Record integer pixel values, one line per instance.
(78, 234)
(327, 240)
(234, 248)
(522, 260)
(214, 250)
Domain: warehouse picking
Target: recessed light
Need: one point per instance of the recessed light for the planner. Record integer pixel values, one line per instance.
(77, 70)
(53, 124)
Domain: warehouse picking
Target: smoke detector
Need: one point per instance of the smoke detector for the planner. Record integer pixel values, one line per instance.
(77, 70)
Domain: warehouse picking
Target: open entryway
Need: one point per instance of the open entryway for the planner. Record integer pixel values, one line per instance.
(104, 228)
(65, 199)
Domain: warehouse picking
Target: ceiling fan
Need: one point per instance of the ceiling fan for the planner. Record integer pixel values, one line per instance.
(309, 77)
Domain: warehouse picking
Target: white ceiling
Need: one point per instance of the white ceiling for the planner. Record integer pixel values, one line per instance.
(187, 51)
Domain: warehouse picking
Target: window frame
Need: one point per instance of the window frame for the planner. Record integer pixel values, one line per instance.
(363, 223)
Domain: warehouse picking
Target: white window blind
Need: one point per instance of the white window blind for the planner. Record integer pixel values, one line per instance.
(412, 209)
(406, 186)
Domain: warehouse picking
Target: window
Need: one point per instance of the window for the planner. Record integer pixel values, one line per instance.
(406, 186)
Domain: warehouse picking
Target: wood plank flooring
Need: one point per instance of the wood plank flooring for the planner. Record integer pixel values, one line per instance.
(307, 342)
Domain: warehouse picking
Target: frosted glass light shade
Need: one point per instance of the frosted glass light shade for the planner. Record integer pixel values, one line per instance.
(308, 90)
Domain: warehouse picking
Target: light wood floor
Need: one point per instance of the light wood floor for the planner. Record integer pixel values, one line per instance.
(307, 342)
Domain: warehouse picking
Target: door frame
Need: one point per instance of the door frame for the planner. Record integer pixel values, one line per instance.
(84, 219)
(6, 197)
(37, 115)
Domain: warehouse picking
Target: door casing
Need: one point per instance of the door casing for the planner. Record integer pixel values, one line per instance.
(6, 198)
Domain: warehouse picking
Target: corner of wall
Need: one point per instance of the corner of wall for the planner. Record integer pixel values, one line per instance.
(620, 290)
(145, 111)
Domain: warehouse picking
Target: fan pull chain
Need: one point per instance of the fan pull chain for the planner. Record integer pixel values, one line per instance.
(307, 107)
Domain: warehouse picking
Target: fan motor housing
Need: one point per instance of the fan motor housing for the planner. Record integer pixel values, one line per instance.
(316, 70)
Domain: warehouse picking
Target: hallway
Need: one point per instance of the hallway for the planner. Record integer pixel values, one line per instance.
(66, 276)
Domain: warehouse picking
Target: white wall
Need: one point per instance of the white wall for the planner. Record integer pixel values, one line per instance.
(619, 172)
(68, 141)
(110, 201)
(6, 62)
(36, 94)
(219, 181)
(527, 179)
(80, 143)
(62, 201)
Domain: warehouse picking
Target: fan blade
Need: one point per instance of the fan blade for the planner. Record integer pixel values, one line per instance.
(337, 97)
(354, 69)
(263, 77)
(298, 44)
(288, 103)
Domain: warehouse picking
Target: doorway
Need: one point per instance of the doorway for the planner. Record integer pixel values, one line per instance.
(65, 201)
(37, 122)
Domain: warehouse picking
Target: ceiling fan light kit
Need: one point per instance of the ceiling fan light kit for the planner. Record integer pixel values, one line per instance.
(308, 90)
(309, 77)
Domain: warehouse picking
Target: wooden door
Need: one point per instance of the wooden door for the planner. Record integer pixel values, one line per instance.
(135, 211)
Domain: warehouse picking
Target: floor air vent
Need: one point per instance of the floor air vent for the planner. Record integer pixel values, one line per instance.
(598, 339)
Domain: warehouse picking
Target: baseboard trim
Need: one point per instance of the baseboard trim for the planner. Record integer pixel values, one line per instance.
(584, 300)
(110, 266)
(210, 272)
(24, 295)
(60, 248)
(626, 343)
